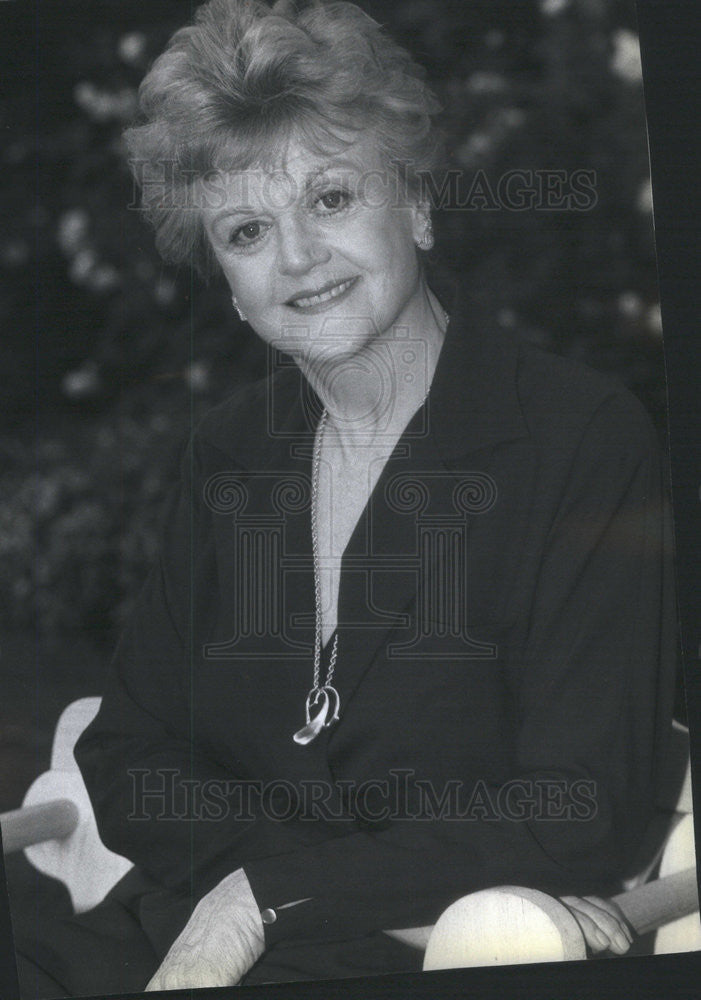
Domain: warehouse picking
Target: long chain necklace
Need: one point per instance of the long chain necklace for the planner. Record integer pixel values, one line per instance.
(323, 699)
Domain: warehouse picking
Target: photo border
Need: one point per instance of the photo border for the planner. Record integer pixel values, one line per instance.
(671, 39)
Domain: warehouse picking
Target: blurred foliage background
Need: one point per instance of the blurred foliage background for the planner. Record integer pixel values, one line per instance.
(109, 357)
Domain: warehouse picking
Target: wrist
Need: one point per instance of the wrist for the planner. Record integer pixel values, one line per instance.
(240, 894)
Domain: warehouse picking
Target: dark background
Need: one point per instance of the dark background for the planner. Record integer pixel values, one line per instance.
(109, 357)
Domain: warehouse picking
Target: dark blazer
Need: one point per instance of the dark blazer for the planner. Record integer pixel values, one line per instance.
(506, 660)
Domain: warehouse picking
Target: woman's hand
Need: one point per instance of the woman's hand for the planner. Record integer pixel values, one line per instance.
(602, 923)
(221, 941)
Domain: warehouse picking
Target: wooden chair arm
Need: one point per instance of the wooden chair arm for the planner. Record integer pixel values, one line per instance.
(56, 828)
(514, 924)
(54, 820)
(415, 937)
(657, 903)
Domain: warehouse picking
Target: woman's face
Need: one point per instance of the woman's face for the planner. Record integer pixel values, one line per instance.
(319, 253)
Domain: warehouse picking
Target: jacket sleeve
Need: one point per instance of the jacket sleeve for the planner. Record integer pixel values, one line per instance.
(138, 757)
(593, 692)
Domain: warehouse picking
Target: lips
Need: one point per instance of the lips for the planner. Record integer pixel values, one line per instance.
(311, 299)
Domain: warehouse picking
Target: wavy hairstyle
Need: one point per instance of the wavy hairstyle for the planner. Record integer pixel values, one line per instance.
(243, 77)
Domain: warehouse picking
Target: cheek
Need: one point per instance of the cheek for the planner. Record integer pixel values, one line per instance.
(250, 281)
(392, 237)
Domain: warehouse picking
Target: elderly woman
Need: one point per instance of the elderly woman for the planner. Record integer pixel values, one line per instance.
(411, 630)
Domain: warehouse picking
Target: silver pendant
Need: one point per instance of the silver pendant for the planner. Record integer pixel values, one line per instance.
(318, 697)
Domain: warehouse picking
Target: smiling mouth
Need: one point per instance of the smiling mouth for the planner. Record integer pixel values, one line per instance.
(325, 294)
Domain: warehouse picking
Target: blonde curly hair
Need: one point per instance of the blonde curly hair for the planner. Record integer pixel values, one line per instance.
(234, 85)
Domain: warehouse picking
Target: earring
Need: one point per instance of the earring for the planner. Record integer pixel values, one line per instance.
(237, 308)
(426, 242)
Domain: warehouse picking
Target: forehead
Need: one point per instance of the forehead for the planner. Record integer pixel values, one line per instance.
(286, 175)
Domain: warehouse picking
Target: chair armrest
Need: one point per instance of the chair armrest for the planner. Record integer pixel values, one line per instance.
(510, 925)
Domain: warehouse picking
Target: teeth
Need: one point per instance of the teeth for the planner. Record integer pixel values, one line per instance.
(315, 300)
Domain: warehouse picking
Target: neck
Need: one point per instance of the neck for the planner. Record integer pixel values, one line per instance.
(372, 394)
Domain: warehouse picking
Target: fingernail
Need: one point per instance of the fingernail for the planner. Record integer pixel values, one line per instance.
(602, 939)
(621, 940)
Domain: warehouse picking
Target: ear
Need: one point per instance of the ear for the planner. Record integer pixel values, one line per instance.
(420, 220)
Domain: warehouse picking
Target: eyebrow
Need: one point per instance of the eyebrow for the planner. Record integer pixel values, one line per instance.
(341, 162)
(310, 179)
(228, 212)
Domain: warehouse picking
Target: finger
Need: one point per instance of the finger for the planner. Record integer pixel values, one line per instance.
(596, 940)
(610, 919)
(614, 910)
(609, 927)
(607, 916)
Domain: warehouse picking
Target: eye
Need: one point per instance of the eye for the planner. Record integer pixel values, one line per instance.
(247, 234)
(333, 201)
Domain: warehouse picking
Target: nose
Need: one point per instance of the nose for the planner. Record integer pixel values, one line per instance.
(300, 247)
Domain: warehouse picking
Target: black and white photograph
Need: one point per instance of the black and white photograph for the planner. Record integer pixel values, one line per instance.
(340, 600)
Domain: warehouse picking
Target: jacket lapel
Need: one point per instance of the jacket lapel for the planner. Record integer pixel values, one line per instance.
(399, 595)
(380, 571)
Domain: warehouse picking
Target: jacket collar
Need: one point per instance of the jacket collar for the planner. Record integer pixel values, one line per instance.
(473, 402)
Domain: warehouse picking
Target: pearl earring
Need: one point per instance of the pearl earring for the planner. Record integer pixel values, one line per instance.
(426, 242)
(238, 309)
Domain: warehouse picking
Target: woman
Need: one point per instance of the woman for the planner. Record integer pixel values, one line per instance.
(411, 631)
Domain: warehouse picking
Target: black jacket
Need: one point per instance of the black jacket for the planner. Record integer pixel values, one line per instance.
(505, 667)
